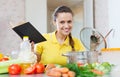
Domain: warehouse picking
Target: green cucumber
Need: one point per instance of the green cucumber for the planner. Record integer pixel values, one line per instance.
(5, 64)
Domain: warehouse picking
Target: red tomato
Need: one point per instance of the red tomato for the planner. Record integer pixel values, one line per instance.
(29, 70)
(14, 69)
(39, 67)
(80, 64)
(4, 59)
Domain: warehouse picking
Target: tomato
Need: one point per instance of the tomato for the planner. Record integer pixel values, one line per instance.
(30, 70)
(14, 69)
(80, 64)
(4, 59)
(39, 67)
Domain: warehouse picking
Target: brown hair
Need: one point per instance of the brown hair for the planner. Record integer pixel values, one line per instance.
(65, 9)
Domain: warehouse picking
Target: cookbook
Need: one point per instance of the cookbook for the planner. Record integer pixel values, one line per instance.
(27, 29)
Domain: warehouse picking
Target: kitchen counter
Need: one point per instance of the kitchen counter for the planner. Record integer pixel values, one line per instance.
(32, 75)
(37, 75)
(112, 57)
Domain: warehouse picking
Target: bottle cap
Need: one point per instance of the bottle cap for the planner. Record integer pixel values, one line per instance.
(25, 37)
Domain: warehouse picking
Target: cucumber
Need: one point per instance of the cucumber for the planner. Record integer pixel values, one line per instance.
(5, 64)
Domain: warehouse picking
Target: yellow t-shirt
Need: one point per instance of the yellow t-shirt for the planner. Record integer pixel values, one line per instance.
(51, 50)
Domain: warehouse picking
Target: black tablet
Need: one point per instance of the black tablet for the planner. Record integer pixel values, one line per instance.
(27, 29)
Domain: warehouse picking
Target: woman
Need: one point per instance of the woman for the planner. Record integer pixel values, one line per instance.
(60, 41)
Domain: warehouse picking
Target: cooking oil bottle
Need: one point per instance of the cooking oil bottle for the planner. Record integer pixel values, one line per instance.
(26, 55)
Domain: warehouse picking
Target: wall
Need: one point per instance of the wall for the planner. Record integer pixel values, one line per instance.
(10, 11)
(78, 20)
(50, 26)
(36, 13)
(88, 13)
(107, 16)
(101, 16)
(114, 22)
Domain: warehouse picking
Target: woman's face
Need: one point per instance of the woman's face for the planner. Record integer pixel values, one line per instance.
(64, 22)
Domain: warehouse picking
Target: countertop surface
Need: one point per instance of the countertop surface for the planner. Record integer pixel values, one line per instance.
(32, 75)
(112, 57)
(39, 75)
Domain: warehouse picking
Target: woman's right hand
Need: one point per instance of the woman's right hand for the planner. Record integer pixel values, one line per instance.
(38, 57)
(37, 54)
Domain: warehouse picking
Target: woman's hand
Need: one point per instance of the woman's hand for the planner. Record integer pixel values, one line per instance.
(94, 42)
(38, 57)
(32, 46)
(37, 54)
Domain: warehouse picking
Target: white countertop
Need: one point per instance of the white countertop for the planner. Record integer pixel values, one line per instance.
(112, 57)
(32, 75)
